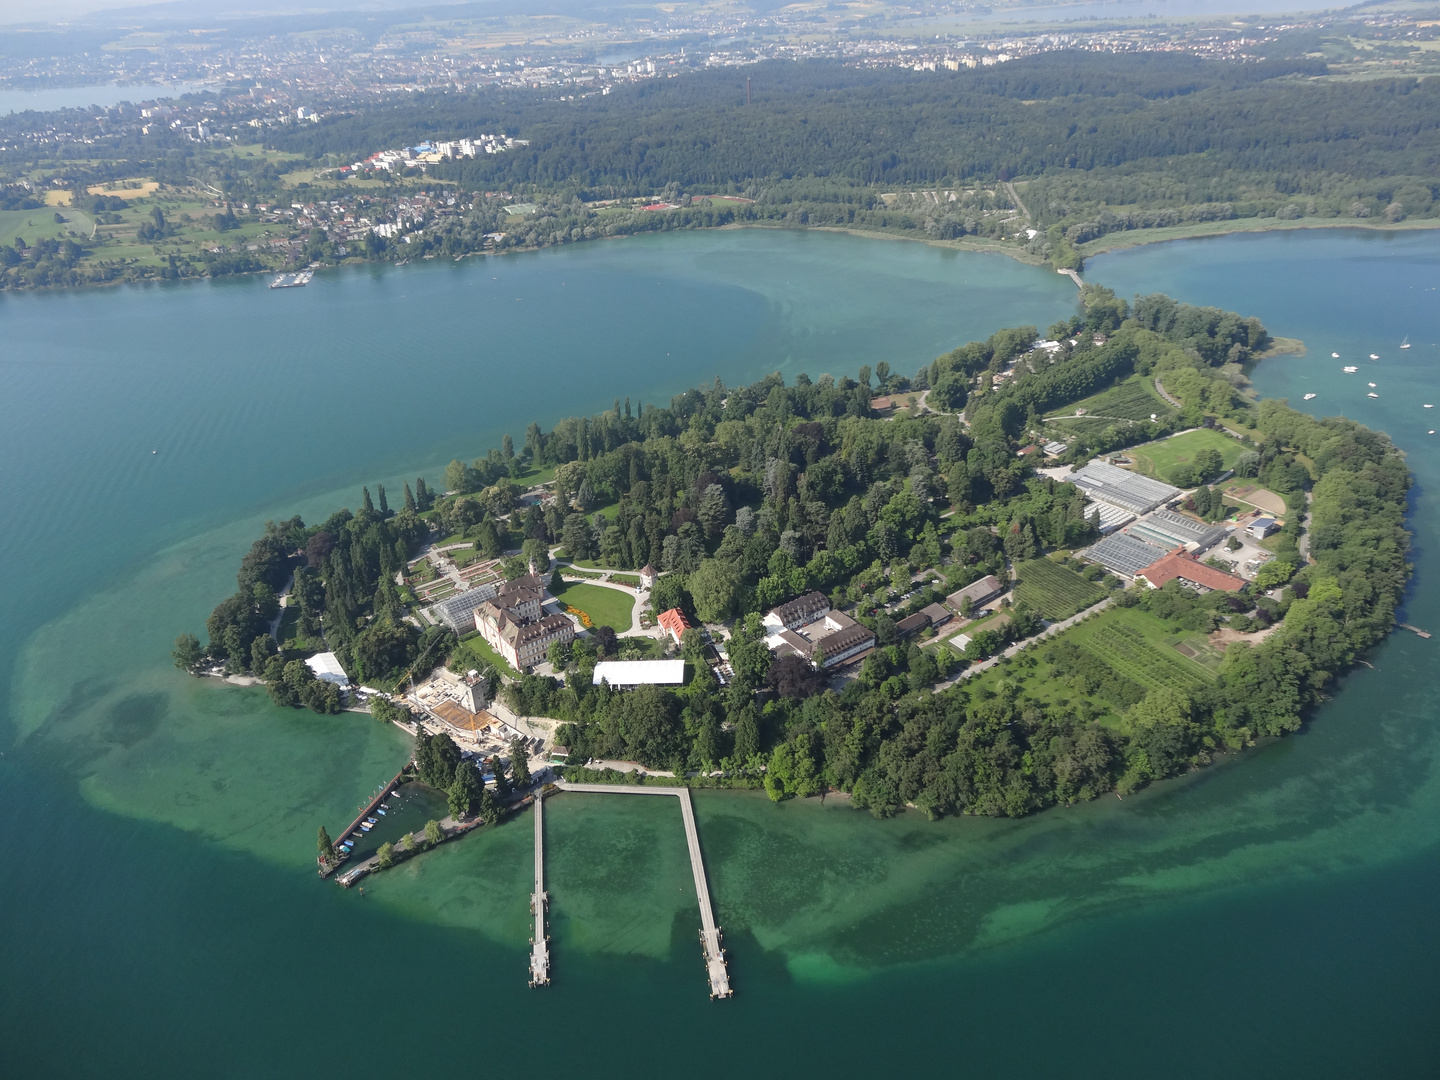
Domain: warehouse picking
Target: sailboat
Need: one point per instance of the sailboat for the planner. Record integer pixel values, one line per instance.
(1405, 344)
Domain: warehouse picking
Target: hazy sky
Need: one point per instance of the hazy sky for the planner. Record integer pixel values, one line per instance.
(14, 11)
(19, 11)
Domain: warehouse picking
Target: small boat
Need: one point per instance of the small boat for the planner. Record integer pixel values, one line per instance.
(1405, 344)
(382, 811)
(1374, 356)
(1372, 395)
(1350, 370)
(1309, 397)
(1430, 432)
(1335, 356)
(376, 821)
(1371, 385)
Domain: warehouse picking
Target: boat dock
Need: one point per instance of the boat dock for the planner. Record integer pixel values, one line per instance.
(385, 793)
(540, 943)
(1415, 630)
(711, 941)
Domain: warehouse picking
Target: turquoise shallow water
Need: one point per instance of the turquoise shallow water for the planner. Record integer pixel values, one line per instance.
(1272, 916)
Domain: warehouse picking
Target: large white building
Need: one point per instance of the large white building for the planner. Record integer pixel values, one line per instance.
(628, 674)
(798, 612)
(826, 642)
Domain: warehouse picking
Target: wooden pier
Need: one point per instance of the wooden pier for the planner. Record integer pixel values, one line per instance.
(711, 941)
(540, 943)
(1415, 630)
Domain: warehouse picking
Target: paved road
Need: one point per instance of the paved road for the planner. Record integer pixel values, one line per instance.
(1168, 397)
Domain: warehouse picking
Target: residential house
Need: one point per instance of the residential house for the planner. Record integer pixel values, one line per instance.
(674, 623)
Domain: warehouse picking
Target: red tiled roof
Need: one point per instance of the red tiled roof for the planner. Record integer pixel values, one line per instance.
(1179, 565)
(673, 622)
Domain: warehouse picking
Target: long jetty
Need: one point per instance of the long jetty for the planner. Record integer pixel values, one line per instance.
(711, 942)
(539, 944)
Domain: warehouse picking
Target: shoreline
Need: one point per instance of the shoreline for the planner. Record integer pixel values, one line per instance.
(1131, 238)
(1112, 242)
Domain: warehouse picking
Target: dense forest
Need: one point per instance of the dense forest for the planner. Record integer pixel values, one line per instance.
(1109, 141)
(749, 496)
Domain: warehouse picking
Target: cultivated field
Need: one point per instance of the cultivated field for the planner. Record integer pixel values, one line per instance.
(1133, 399)
(1053, 590)
(1123, 646)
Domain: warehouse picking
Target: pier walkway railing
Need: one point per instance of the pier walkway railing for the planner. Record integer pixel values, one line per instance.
(711, 941)
(539, 944)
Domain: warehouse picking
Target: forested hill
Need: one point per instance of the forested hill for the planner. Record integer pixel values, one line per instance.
(1041, 115)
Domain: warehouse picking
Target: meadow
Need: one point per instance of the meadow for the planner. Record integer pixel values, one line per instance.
(1158, 458)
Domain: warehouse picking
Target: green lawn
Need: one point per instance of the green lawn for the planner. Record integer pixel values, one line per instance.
(480, 650)
(289, 635)
(463, 557)
(34, 225)
(606, 607)
(1162, 456)
(993, 621)
(533, 476)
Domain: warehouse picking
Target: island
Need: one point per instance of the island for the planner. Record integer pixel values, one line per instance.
(1041, 569)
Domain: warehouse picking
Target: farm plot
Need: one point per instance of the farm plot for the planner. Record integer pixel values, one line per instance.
(1139, 647)
(1133, 399)
(1055, 591)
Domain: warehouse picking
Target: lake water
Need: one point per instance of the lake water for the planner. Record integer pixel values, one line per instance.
(160, 916)
(80, 97)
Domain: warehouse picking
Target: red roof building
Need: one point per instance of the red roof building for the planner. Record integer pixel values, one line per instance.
(674, 623)
(1194, 574)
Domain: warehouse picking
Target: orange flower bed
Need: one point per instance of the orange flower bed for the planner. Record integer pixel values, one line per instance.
(582, 616)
